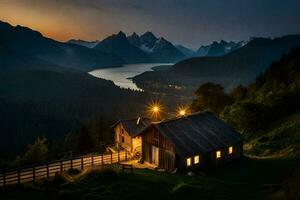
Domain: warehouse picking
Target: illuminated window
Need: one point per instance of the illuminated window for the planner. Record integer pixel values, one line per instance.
(218, 154)
(188, 162)
(230, 150)
(196, 159)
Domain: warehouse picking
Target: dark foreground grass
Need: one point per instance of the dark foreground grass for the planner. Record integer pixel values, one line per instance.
(247, 179)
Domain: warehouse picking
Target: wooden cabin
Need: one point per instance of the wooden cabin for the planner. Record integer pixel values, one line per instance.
(126, 134)
(197, 141)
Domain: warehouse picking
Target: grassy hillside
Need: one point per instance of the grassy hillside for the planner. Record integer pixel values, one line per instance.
(268, 111)
(282, 137)
(247, 179)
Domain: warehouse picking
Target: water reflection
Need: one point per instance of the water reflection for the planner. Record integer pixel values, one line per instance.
(120, 75)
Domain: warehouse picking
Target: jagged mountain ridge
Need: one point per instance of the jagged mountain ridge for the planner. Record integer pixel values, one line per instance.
(218, 48)
(89, 44)
(119, 45)
(159, 49)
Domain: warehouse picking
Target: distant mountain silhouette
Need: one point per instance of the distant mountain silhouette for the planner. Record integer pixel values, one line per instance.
(135, 39)
(33, 50)
(148, 39)
(89, 44)
(241, 66)
(119, 45)
(218, 48)
(158, 49)
(186, 51)
(138, 49)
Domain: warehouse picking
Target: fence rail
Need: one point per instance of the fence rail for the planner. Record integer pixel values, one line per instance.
(47, 170)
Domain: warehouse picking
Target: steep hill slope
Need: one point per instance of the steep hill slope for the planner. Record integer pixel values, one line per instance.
(268, 114)
(282, 137)
(52, 104)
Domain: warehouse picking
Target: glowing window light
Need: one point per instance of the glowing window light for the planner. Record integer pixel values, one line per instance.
(230, 150)
(188, 162)
(196, 159)
(218, 154)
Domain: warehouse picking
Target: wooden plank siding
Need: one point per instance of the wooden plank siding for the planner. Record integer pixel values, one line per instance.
(170, 160)
(209, 160)
(166, 152)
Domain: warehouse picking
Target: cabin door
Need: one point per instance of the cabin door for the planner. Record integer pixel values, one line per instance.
(155, 154)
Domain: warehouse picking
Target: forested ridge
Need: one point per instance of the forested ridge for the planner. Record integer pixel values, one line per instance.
(265, 112)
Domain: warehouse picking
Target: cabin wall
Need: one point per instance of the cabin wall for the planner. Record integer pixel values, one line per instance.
(225, 156)
(122, 138)
(137, 144)
(209, 160)
(166, 155)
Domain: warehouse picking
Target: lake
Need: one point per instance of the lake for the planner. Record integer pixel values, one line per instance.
(120, 75)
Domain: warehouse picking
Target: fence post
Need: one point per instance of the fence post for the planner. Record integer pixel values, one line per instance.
(102, 159)
(81, 162)
(111, 157)
(4, 179)
(92, 159)
(33, 174)
(47, 170)
(61, 166)
(71, 163)
(19, 177)
(118, 155)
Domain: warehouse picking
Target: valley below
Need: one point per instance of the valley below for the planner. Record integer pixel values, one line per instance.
(121, 76)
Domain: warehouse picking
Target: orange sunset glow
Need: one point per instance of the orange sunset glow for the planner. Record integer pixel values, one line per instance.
(52, 22)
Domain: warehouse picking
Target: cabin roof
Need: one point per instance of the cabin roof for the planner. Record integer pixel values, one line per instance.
(132, 126)
(199, 132)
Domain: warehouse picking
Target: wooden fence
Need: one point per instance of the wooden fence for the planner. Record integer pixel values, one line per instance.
(51, 169)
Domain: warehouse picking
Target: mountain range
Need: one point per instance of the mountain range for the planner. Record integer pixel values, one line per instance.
(241, 66)
(119, 45)
(158, 49)
(145, 48)
(89, 44)
(149, 48)
(218, 48)
(23, 48)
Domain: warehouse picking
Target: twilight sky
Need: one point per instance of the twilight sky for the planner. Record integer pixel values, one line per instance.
(188, 22)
